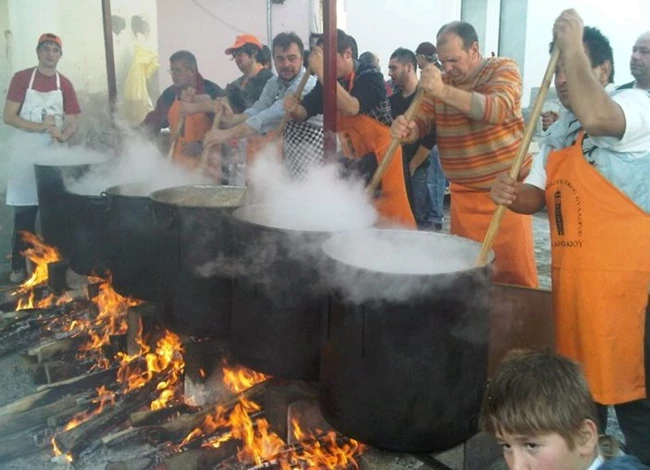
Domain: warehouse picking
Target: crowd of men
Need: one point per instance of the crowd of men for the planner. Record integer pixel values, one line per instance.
(591, 173)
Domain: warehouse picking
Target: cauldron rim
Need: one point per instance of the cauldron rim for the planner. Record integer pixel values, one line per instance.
(114, 191)
(157, 196)
(71, 164)
(327, 252)
(238, 215)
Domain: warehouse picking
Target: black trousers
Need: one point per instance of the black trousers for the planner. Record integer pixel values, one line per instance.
(24, 220)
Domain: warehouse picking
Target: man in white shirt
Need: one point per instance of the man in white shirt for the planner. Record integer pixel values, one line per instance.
(593, 174)
(640, 63)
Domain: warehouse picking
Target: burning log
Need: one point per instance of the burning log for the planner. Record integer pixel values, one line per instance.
(76, 439)
(129, 435)
(142, 463)
(52, 349)
(20, 337)
(149, 417)
(56, 371)
(204, 458)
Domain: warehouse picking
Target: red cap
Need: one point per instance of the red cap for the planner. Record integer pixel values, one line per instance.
(242, 40)
(49, 37)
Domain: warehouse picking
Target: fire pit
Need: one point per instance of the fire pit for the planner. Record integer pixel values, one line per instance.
(405, 357)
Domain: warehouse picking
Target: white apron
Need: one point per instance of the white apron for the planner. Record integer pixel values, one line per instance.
(27, 147)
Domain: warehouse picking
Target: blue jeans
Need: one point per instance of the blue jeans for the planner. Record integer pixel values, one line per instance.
(420, 199)
(436, 183)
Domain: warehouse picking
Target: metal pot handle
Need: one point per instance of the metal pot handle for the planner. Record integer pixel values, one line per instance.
(108, 203)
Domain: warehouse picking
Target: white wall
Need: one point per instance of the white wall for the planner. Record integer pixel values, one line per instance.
(397, 24)
(622, 22)
(208, 27)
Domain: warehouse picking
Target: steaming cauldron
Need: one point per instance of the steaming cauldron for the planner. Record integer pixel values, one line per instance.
(278, 298)
(405, 353)
(86, 232)
(133, 253)
(195, 232)
(50, 186)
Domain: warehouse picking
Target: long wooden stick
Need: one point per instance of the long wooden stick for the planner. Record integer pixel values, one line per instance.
(394, 145)
(519, 160)
(179, 130)
(207, 150)
(298, 94)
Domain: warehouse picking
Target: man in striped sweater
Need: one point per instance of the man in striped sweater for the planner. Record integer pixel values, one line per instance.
(475, 104)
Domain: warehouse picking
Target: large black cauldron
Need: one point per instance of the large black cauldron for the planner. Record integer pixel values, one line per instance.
(196, 235)
(405, 353)
(50, 186)
(87, 233)
(133, 246)
(279, 298)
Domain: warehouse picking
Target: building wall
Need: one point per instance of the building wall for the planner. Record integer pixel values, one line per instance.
(622, 25)
(382, 27)
(208, 27)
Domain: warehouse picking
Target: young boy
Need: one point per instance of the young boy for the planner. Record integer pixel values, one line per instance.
(539, 408)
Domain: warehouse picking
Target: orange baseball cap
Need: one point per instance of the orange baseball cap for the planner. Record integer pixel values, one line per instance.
(49, 37)
(242, 40)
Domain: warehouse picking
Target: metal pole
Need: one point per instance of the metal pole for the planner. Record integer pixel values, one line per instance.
(110, 55)
(329, 85)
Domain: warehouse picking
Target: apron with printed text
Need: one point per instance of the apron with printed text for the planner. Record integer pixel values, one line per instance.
(600, 247)
(27, 147)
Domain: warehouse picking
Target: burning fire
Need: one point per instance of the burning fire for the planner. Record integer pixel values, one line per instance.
(238, 379)
(258, 443)
(104, 398)
(168, 355)
(40, 254)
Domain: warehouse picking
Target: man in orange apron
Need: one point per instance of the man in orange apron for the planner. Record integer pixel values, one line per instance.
(362, 123)
(475, 106)
(592, 175)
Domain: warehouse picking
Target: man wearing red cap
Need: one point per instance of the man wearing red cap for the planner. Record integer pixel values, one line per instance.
(42, 106)
(246, 90)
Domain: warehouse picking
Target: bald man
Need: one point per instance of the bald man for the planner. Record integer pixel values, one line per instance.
(640, 63)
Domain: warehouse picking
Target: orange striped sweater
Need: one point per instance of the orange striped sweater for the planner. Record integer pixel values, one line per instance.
(473, 152)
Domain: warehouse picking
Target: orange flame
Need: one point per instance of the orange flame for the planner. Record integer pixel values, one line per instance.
(259, 444)
(238, 379)
(104, 397)
(168, 354)
(40, 254)
(56, 451)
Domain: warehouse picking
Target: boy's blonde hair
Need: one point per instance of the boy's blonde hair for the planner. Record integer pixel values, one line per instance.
(534, 393)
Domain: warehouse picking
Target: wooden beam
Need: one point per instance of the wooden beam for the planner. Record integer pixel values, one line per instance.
(330, 81)
(110, 55)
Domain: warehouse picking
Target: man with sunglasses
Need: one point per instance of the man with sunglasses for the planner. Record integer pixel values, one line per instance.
(42, 107)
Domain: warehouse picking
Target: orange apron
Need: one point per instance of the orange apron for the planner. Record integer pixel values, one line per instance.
(196, 125)
(471, 213)
(361, 135)
(600, 264)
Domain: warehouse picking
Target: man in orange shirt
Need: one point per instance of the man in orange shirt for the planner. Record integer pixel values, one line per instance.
(476, 108)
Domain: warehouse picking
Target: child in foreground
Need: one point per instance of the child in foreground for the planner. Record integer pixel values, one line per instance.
(539, 408)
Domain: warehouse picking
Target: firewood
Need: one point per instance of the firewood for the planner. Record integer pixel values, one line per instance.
(51, 349)
(179, 428)
(75, 440)
(203, 458)
(149, 417)
(56, 371)
(125, 435)
(23, 335)
(142, 463)
(64, 417)
(16, 446)
(16, 422)
(50, 393)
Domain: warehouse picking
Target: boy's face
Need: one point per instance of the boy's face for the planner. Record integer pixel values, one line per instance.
(549, 451)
